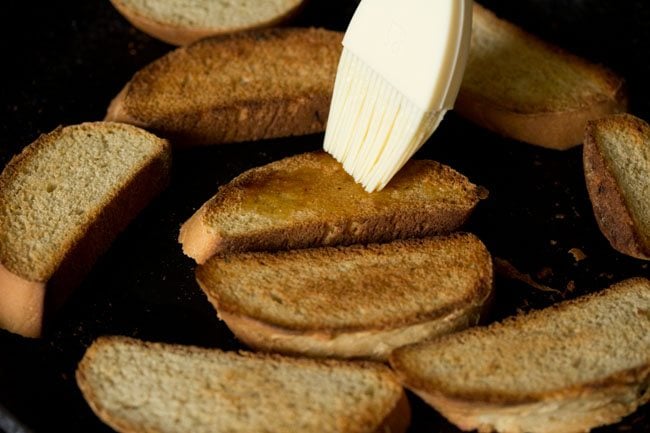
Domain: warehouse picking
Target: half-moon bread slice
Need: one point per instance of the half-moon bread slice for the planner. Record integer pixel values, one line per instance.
(308, 200)
(62, 202)
(232, 88)
(351, 302)
(134, 386)
(565, 369)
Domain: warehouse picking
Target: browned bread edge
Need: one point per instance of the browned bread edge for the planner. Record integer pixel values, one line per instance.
(612, 214)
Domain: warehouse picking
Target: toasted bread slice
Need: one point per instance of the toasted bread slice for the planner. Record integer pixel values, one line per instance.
(565, 369)
(182, 22)
(62, 202)
(242, 87)
(617, 172)
(351, 302)
(526, 89)
(309, 200)
(135, 386)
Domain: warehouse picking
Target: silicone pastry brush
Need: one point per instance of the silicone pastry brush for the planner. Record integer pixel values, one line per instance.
(400, 71)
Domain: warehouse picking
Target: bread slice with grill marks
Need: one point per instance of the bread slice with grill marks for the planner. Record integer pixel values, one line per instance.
(308, 200)
(526, 89)
(360, 301)
(182, 22)
(569, 368)
(617, 172)
(62, 202)
(232, 88)
(135, 386)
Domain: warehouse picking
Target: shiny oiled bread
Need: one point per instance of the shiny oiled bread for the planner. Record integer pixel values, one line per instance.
(617, 171)
(182, 22)
(134, 386)
(242, 87)
(359, 301)
(566, 369)
(526, 89)
(308, 200)
(62, 202)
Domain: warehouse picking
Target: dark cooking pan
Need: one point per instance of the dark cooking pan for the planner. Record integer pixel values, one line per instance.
(64, 61)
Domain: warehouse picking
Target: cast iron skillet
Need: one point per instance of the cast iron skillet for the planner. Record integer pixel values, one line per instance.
(63, 62)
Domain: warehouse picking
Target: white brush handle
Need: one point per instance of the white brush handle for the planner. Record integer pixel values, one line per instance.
(419, 46)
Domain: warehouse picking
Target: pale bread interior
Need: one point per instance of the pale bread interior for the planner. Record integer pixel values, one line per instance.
(217, 14)
(56, 187)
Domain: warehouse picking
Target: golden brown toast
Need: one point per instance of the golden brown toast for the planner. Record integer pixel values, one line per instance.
(135, 386)
(309, 200)
(359, 301)
(527, 89)
(568, 368)
(232, 88)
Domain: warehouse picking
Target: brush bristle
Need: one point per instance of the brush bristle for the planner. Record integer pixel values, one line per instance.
(372, 128)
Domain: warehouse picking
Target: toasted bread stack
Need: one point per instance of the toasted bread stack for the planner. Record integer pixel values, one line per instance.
(354, 302)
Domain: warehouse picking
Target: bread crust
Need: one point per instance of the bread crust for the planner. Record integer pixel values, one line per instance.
(582, 412)
(610, 209)
(285, 111)
(554, 130)
(541, 126)
(374, 343)
(117, 112)
(23, 304)
(397, 418)
(184, 35)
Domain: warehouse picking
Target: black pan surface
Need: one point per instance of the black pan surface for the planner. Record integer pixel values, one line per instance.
(64, 61)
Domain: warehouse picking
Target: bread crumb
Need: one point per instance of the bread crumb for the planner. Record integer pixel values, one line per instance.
(507, 270)
(571, 286)
(544, 273)
(578, 254)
